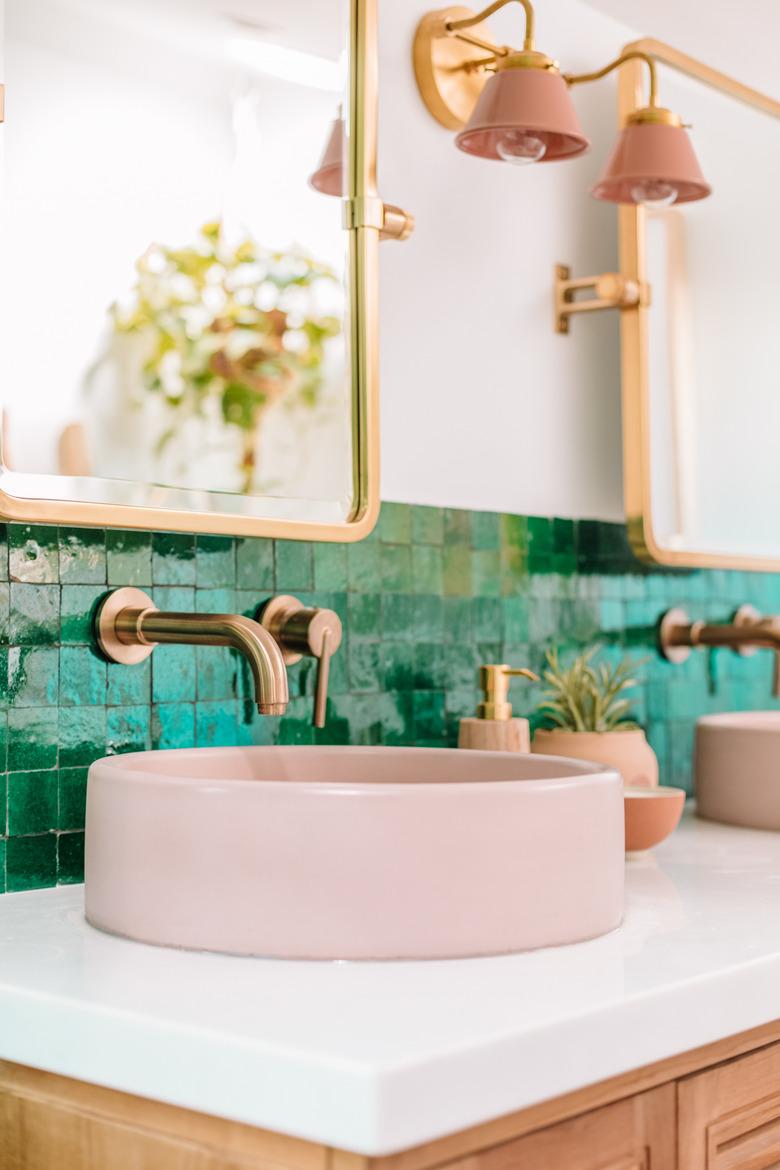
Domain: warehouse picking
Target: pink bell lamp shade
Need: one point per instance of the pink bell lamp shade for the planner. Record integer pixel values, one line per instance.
(653, 163)
(524, 115)
(328, 178)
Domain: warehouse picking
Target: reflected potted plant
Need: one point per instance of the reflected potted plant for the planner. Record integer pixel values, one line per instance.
(588, 717)
(224, 332)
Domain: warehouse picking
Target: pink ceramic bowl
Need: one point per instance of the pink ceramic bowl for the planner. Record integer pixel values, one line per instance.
(652, 814)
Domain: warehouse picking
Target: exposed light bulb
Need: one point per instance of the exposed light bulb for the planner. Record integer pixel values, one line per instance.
(520, 147)
(654, 193)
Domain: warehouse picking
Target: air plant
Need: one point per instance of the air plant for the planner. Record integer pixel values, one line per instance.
(586, 696)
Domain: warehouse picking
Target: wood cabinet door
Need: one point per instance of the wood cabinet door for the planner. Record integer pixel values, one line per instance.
(638, 1133)
(729, 1116)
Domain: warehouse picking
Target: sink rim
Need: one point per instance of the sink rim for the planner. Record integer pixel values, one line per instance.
(753, 721)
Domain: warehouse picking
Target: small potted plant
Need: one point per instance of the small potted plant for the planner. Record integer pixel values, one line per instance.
(589, 718)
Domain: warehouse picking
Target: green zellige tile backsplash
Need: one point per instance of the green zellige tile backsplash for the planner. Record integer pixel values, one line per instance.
(428, 597)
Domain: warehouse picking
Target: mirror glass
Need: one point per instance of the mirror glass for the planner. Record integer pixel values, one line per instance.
(713, 338)
(174, 284)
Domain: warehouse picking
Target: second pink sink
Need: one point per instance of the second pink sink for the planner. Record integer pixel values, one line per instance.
(353, 853)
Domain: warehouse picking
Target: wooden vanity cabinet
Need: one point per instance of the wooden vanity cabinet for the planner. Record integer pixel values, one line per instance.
(717, 1108)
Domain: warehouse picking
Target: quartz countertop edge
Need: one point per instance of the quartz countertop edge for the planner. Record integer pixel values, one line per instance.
(379, 1057)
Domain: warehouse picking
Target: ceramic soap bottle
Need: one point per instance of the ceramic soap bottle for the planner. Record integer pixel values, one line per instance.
(494, 729)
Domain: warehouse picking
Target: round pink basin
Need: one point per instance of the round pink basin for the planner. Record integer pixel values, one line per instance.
(736, 768)
(353, 853)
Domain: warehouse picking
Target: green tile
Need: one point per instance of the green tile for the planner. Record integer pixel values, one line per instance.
(32, 802)
(82, 555)
(427, 569)
(128, 729)
(397, 665)
(428, 713)
(82, 677)
(427, 525)
(364, 571)
(457, 579)
(364, 666)
(396, 568)
(33, 676)
(255, 566)
(330, 566)
(173, 725)
(398, 615)
(457, 527)
(215, 561)
(35, 614)
(3, 552)
(294, 566)
(486, 572)
(31, 862)
(221, 599)
(129, 558)
(82, 735)
(485, 530)
(173, 558)
(78, 606)
(33, 553)
(70, 858)
(540, 542)
(364, 615)
(217, 672)
(215, 724)
(71, 798)
(5, 612)
(174, 674)
(395, 523)
(128, 684)
(514, 531)
(32, 738)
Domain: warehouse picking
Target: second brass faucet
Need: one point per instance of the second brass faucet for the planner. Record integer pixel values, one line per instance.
(748, 631)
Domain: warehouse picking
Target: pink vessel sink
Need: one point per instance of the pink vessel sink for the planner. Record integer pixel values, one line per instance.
(353, 853)
(737, 768)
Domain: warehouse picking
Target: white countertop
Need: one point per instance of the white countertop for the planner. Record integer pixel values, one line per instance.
(378, 1057)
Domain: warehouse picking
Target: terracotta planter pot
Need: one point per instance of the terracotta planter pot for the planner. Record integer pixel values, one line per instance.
(626, 751)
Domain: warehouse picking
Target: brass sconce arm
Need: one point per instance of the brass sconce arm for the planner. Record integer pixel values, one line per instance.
(455, 27)
(630, 55)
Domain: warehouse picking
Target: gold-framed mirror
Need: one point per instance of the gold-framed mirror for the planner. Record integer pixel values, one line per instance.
(701, 355)
(190, 266)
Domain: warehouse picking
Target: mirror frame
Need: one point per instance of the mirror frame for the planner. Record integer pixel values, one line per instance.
(363, 216)
(634, 330)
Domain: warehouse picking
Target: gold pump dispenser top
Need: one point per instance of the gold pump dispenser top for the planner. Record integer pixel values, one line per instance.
(494, 679)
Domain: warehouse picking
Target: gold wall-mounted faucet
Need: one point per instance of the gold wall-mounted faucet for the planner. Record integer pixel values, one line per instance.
(747, 632)
(129, 626)
(302, 630)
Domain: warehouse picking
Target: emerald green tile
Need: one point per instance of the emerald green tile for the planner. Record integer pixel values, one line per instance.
(427, 525)
(173, 725)
(365, 666)
(456, 571)
(395, 523)
(129, 558)
(294, 566)
(487, 619)
(255, 565)
(363, 615)
(515, 620)
(70, 858)
(485, 530)
(456, 613)
(174, 674)
(82, 677)
(71, 798)
(397, 665)
(540, 543)
(82, 735)
(215, 561)
(78, 605)
(33, 553)
(398, 719)
(128, 684)
(128, 729)
(396, 568)
(31, 862)
(173, 558)
(32, 738)
(364, 572)
(32, 802)
(427, 568)
(486, 572)
(430, 666)
(429, 715)
(33, 676)
(82, 553)
(35, 614)
(330, 566)
(398, 614)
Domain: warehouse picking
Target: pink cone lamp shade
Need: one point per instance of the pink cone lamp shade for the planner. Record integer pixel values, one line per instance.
(652, 163)
(328, 178)
(524, 115)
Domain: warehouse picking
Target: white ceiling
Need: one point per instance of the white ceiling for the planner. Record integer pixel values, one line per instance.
(739, 37)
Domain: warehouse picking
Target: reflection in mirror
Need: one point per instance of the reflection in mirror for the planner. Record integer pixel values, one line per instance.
(713, 341)
(174, 282)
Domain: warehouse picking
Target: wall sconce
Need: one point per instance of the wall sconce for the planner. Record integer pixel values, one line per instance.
(328, 179)
(514, 105)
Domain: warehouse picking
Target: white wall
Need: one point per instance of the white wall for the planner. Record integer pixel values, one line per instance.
(483, 405)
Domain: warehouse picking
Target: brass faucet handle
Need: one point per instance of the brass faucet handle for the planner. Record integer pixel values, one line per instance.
(305, 630)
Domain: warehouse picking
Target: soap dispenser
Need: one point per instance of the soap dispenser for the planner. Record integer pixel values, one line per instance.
(494, 729)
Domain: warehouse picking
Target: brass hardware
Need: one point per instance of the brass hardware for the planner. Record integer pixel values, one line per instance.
(299, 630)
(628, 54)
(494, 679)
(397, 224)
(129, 626)
(361, 337)
(446, 69)
(747, 632)
(613, 291)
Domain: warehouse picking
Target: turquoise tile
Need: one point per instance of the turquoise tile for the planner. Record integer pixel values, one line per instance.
(255, 566)
(173, 725)
(215, 561)
(70, 858)
(294, 566)
(71, 798)
(82, 735)
(174, 598)
(33, 676)
(215, 600)
(128, 729)
(485, 530)
(82, 677)
(82, 556)
(32, 802)
(217, 671)
(33, 553)
(173, 558)
(364, 666)
(128, 684)
(174, 674)
(215, 724)
(33, 734)
(78, 606)
(129, 558)
(35, 614)
(31, 862)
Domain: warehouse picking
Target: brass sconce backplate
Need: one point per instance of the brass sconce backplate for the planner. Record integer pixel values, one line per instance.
(444, 67)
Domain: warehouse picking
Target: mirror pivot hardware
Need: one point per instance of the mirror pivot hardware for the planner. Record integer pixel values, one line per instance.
(612, 291)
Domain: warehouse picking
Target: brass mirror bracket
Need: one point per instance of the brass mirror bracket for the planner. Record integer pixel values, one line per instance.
(300, 630)
(612, 291)
(445, 66)
(392, 222)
